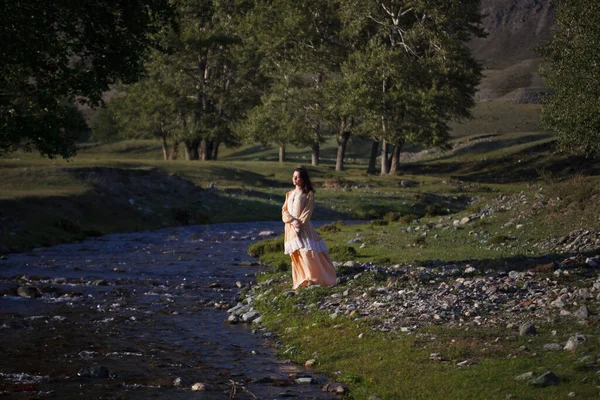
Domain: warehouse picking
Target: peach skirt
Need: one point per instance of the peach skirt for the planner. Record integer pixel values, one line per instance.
(312, 268)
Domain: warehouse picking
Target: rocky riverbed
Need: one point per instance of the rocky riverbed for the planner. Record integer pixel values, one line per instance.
(140, 315)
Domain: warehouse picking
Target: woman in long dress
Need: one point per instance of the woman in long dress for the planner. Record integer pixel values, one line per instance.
(311, 264)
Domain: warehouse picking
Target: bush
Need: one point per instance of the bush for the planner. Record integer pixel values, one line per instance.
(392, 216)
(408, 218)
(379, 222)
(333, 227)
(259, 249)
(433, 210)
(343, 253)
(498, 239)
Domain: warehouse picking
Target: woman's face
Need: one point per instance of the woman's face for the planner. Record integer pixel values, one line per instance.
(296, 180)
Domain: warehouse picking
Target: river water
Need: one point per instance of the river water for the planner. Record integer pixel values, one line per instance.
(128, 316)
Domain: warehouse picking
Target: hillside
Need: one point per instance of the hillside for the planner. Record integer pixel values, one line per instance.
(515, 29)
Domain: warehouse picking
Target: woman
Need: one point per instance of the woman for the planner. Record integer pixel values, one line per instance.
(311, 264)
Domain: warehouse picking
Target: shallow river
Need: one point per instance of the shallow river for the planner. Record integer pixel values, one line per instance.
(129, 316)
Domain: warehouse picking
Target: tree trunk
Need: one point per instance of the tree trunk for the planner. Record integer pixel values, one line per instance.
(204, 150)
(174, 150)
(341, 150)
(165, 147)
(396, 158)
(210, 144)
(316, 147)
(281, 154)
(191, 150)
(384, 158)
(373, 157)
(215, 150)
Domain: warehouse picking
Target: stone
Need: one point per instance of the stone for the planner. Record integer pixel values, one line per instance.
(582, 312)
(266, 233)
(553, 347)
(29, 292)
(310, 363)
(591, 262)
(199, 387)
(527, 329)
(525, 376)
(575, 341)
(546, 379)
(180, 382)
(94, 371)
(465, 221)
(336, 387)
(305, 380)
(250, 316)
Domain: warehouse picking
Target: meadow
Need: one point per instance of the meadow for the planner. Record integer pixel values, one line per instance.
(501, 159)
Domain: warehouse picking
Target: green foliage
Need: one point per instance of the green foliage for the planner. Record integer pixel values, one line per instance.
(432, 210)
(343, 253)
(571, 73)
(333, 227)
(500, 239)
(105, 127)
(263, 247)
(57, 53)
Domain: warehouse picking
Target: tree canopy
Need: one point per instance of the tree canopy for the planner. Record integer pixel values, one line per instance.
(57, 52)
(571, 71)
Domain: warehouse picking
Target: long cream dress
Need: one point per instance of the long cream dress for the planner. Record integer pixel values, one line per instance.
(311, 264)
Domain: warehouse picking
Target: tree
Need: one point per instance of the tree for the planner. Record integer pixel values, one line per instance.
(298, 47)
(410, 65)
(212, 72)
(57, 52)
(571, 70)
(148, 109)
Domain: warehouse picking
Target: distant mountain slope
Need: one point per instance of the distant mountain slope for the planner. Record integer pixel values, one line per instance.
(515, 28)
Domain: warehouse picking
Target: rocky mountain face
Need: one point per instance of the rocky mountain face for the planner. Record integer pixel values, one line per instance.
(515, 28)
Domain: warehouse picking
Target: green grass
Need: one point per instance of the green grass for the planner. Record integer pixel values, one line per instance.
(398, 365)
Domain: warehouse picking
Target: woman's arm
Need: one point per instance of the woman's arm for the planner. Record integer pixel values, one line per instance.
(308, 208)
(286, 217)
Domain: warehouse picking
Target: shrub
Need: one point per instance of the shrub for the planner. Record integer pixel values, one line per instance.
(259, 249)
(379, 222)
(498, 239)
(433, 210)
(392, 216)
(333, 227)
(343, 253)
(408, 218)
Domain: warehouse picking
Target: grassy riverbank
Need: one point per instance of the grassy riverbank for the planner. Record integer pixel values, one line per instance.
(461, 352)
(449, 224)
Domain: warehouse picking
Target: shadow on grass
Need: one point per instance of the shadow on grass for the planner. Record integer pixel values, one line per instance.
(244, 177)
(519, 167)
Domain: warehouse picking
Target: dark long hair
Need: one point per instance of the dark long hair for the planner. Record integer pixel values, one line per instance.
(306, 183)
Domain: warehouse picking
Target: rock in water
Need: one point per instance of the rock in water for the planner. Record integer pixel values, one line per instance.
(95, 371)
(29, 291)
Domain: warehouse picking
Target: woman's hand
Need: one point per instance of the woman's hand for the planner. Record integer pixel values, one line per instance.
(296, 224)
